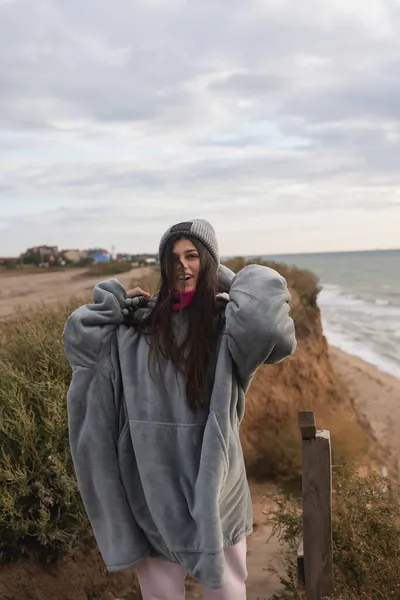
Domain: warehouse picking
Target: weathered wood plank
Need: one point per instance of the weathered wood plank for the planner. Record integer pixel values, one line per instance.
(307, 424)
(317, 522)
(300, 565)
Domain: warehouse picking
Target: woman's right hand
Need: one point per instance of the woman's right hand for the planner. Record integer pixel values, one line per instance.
(136, 297)
(137, 291)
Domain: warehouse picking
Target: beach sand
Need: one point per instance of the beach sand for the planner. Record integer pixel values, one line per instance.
(376, 396)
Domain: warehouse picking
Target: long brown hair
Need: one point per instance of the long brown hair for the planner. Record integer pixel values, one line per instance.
(192, 356)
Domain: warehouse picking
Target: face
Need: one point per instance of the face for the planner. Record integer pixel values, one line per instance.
(187, 265)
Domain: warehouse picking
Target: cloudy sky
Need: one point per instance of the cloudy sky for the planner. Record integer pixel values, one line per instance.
(279, 121)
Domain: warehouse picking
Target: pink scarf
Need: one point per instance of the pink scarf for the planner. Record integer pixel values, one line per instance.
(182, 299)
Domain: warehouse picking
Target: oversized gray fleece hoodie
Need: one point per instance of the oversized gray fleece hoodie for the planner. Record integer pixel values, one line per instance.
(157, 479)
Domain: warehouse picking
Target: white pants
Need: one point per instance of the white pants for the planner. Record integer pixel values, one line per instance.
(163, 580)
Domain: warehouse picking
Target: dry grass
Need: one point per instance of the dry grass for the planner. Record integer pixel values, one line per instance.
(25, 270)
(107, 269)
(366, 538)
(148, 283)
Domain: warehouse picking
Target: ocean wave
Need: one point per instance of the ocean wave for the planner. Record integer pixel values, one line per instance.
(362, 351)
(380, 307)
(333, 295)
(368, 328)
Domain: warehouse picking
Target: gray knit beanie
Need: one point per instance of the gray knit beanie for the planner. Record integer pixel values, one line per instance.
(197, 228)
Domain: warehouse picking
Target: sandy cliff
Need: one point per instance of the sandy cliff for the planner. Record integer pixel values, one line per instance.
(305, 381)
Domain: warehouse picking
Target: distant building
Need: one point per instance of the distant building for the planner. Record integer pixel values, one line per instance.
(41, 255)
(44, 250)
(9, 261)
(71, 256)
(96, 254)
(100, 256)
(136, 259)
(123, 257)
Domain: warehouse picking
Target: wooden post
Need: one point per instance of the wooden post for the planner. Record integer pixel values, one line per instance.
(301, 576)
(317, 504)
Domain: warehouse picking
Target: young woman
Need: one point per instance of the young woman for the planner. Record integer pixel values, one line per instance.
(155, 403)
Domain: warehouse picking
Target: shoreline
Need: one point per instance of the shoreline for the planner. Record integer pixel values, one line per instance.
(359, 351)
(383, 373)
(376, 396)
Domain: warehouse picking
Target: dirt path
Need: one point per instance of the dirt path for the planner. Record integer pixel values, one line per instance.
(261, 585)
(24, 291)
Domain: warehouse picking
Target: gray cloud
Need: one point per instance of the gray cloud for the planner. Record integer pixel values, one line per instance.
(250, 83)
(156, 108)
(369, 97)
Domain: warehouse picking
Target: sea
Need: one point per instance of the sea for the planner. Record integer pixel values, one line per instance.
(359, 301)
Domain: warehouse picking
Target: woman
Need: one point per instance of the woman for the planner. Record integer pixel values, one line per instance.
(155, 403)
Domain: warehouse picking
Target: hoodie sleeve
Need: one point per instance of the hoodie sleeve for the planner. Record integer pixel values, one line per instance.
(94, 427)
(88, 326)
(258, 324)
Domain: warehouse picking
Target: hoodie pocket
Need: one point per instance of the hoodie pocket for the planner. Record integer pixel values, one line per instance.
(182, 468)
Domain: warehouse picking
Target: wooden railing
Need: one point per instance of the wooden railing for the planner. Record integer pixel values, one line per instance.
(315, 564)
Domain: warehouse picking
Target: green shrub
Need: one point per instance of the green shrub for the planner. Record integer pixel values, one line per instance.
(366, 538)
(9, 266)
(83, 262)
(40, 507)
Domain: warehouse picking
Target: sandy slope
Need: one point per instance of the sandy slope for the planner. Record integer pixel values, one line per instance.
(27, 290)
(376, 396)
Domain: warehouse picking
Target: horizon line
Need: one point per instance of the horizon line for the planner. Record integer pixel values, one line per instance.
(311, 253)
(264, 254)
